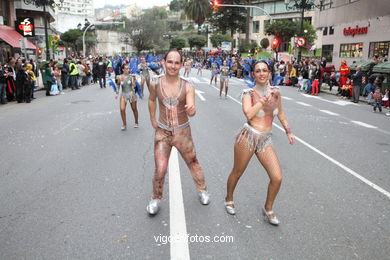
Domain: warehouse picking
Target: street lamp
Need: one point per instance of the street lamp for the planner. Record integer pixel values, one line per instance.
(97, 23)
(301, 5)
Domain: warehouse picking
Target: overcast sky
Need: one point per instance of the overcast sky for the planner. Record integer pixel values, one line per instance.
(141, 3)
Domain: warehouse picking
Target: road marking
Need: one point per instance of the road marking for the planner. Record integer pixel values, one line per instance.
(199, 93)
(363, 124)
(177, 219)
(337, 102)
(304, 104)
(287, 98)
(195, 80)
(329, 112)
(342, 166)
(68, 125)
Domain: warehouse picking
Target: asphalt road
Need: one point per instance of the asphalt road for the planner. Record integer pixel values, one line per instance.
(73, 186)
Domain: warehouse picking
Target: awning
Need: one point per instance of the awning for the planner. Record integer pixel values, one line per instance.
(382, 68)
(12, 37)
(365, 65)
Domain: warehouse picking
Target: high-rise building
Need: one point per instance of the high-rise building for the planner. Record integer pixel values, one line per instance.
(71, 13)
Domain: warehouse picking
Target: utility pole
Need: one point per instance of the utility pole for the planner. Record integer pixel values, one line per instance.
(46, 34)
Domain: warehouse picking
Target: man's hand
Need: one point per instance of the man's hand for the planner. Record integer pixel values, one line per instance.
(190, 109)
(291, 138)
(154, 123)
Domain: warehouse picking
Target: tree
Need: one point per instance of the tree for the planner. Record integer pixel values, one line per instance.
(217, 38)
(197, 41)
(198, 11)
(147, 31)
(178, 43)
(285, 29)
(228, 19)
(264, 43)
(177, 5)
(74, 38)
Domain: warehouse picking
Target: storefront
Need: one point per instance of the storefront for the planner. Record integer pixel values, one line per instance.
(354, 30)
(357, 41)
(10, 45)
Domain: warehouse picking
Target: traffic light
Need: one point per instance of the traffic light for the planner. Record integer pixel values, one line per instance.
(39, 51)
(215, 3)
(275, 43)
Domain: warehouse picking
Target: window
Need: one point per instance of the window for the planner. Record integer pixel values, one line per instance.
(327, 52)
(379, 48)
(331, 30)
(351, 50)
(266, 23)
(325, 31)
(326, 4)
(256, 27)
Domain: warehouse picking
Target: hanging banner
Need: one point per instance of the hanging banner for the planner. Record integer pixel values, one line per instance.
(25, 26)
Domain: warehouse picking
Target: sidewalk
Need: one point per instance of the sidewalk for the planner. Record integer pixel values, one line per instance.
(325, 89)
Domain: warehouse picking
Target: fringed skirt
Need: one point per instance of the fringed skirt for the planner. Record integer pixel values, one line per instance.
(254, 140)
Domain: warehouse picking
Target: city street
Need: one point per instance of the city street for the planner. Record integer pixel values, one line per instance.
(74, 186)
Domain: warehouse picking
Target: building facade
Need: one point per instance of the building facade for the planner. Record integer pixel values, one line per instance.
(354, 30)
(111, 43)
(13, 11)
(70, 13)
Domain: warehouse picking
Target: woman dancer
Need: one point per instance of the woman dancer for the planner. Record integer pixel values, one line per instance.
(145, 76)
(223, 78)
(176, 101)
(187, 67)
(259, 105)
(214, 73)
(127, 83)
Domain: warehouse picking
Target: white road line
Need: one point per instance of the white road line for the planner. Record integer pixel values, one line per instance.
(342, 166)
(177, 219)
(206, 80)
(195, 80)
(199, 94)
(363, 124)
(329, 112)
(303, 104)
(287, 98)
(337, 102)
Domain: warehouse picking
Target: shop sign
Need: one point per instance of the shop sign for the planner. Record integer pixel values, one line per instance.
(357, 30)
(25, 26)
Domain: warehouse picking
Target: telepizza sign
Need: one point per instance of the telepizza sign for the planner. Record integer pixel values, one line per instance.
(357, 30)
(25, 26)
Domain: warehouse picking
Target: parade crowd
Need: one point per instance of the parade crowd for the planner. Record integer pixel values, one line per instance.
(18, 77)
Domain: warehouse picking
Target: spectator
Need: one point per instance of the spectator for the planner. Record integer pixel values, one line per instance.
(101, 72)
(385, 99)
(33, 78)
(357, 82)
(378, 99)
(3, 82)
(23, 85)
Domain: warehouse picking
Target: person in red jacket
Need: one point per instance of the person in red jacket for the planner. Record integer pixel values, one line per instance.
(344, 72)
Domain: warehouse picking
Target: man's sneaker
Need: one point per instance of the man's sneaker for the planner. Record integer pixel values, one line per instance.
(123, 128)
(204, 197)
(136, 126)
(153, 206)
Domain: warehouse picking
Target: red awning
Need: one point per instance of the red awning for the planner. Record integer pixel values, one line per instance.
(12, 37)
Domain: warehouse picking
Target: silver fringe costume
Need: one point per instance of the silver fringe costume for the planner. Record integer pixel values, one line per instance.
(254, 139)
